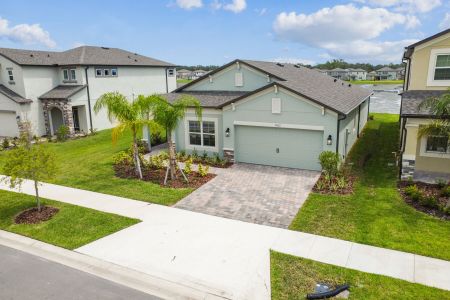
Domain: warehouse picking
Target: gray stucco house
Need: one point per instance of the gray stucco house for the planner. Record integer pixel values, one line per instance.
(272, 114)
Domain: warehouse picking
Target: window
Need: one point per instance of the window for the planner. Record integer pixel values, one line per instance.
(98, 72)
(66, 74)
(113, 72)
(442, 68)
(437, 144)
(170, 72)
(106, 72)
(10, 75)
(73, 75)
(202, 133)
(238, 79)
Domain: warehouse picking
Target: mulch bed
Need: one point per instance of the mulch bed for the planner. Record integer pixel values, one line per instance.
(33, 216)
(427, 190)
(157, 176)
(327, 190)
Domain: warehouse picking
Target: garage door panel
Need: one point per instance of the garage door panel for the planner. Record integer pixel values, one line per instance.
(278, 147)
(8, 124)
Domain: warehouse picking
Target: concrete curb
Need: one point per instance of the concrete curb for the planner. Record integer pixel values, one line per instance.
(127, 277)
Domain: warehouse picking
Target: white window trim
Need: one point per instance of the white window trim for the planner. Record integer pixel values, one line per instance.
(10, 74)
(201, 147)
(425, 153)
(117, 72)
(75, 74)
(68, 75)
(101, 71)
(432, 66)
(170, 70)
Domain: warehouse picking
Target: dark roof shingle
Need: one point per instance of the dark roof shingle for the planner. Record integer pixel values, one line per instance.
(62, 92)
(207, 99)
(412, 99)
(84, 55)
(13, 95)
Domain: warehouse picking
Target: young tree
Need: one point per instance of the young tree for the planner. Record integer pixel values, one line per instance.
(34, 162)
(168, 115)
(440, 107)
(130, 115)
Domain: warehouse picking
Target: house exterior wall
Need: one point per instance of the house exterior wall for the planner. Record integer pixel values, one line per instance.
(225, 80)
(415, 158)
(18, 85)
(419, 65)
(349, 127)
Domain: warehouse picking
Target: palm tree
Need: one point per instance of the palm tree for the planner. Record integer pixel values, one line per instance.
(130, 115)
(168, 115)
(440, 107)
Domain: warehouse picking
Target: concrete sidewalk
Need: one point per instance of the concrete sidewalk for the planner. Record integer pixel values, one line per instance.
(226, 255)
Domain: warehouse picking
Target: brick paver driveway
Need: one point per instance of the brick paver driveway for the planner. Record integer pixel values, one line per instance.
(253, 193)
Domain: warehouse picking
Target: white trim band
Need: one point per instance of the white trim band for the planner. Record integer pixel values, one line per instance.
(278, 125)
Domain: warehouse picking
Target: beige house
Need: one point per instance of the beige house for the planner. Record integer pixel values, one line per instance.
(427, 75)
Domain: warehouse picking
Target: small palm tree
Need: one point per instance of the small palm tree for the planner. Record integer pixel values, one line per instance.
(440, 107)
(130, 115)
(168, 115)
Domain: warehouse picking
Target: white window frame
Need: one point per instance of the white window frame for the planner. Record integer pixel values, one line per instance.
(115, 70)
(106, 70)
(73, 74)
(101, 72)
(424, 152)
(169, 71)
(66, 72)
(201, 147)
(432, 66)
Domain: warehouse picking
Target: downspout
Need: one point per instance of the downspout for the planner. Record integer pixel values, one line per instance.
(359, 119)
(338, 129)
(408, 75)
(402, 146)
(167, 81)
(89, 98)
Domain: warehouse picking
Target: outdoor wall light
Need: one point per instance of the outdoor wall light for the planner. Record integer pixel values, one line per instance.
(227, 132)
(329, 140)
(18, 118)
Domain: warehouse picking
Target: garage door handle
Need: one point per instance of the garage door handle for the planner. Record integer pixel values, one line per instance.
(278, 150)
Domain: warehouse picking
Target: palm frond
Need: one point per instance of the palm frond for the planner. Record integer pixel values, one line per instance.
(118, 131)
(116, 105)
(439, 106)
(435, 128)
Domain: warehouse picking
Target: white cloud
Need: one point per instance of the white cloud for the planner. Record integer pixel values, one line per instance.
(293, 60)
(236, 6)
(445, 23)
(345, 30)
(26, 34)
(189, 4)
(412, 6)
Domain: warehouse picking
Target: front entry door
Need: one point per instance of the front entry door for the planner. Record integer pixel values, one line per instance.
(76, 120)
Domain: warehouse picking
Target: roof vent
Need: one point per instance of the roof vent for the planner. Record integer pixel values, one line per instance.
(335, 80)
(135, 60)
(297, 66)
(48, 55)
(280, 65)
(129, 56)
(135, 54)
(105, 48)
(342, 83)
(349, 85)
(31, 55)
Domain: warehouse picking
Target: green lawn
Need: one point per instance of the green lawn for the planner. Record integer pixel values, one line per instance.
(184, 80)
(72, 227)
(375, 214)
(376, 81)
(86, 163)
(294, 277)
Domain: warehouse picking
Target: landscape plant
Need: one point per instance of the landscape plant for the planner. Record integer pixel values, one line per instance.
(35, 162)
(440, 107)
(131, 115)
(62, 134)
(167, 115)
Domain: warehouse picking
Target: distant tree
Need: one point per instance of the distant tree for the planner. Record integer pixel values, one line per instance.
(27, 161)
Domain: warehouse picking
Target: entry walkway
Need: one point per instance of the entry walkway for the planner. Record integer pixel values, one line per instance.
(230, 256)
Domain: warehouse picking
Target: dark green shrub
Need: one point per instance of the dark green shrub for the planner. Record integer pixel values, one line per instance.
(445, 192)
(413, 192)
(62, 134)
(329, 161)
(5, 143)
(441, 183)
(205, 155)
(429, 201)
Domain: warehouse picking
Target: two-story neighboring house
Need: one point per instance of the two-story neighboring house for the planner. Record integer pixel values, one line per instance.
(386, 73)
(357, 74)
(427, 75)
(50, 89)
(338, 73)
(272, 114)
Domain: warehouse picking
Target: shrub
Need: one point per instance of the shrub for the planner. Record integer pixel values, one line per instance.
(203, 170)
(157, 161)
(188, 166)
(62, 133)
(195, 154)
(205, 155)
(413, 192)
(122, 158)
(441, 183)
(429, 201)
(5, 143)
(445, 192)
(181, 155)
(329, 161)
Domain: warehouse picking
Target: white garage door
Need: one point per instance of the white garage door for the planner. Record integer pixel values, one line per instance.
(8, 124)
(292, 148)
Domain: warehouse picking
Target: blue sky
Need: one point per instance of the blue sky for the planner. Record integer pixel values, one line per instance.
(189, 32)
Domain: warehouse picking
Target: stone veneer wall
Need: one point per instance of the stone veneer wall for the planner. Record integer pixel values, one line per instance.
(66, 109)
(408, 167)
(229, 155)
